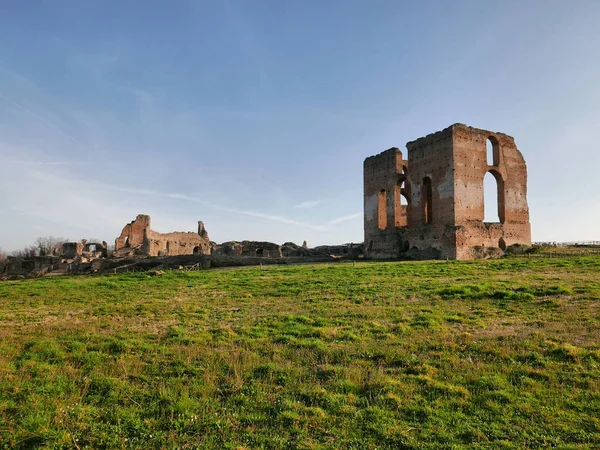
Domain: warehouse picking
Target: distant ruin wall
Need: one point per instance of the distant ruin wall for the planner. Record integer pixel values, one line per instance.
(249, 248)
(84, 249)
(175, 244)
(137, 238)
(132, 235)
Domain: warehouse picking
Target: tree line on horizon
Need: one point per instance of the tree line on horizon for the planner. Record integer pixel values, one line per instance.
(42, 246)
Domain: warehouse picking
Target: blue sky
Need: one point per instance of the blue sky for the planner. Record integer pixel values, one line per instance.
(255, 117)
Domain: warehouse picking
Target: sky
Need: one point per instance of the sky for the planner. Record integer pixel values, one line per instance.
(255, 116)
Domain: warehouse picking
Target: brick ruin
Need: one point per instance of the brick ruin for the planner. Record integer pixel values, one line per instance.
(137, 238)
(84, 249)
(248, 248)
(431, 205)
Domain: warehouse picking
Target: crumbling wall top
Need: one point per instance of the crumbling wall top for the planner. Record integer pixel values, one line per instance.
(447, 132)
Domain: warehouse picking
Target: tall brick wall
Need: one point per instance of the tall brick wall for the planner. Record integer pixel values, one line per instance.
(383, 174)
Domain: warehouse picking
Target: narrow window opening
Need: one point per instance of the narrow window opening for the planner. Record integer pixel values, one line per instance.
(426, 200)
(400, 206)
(493, 198)
(493, 151)
(382, 210)
(197, 250)
(404, 210)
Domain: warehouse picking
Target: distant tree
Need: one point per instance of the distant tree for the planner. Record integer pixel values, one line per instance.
(49, 246)
(26, 252)
(42, 246)
(2, 255)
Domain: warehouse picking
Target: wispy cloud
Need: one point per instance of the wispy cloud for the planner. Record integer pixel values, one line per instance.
(343, 219)
(148, 192)
(307, 204)
(46, 163)
(174, 195)
(38, 117)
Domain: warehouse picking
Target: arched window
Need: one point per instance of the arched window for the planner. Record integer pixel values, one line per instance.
(426, 200)
(493, 151)
(382, 210)
(493, 197)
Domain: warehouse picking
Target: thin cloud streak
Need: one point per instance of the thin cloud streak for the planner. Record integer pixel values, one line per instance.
(344, 219)
(47, 163)
(308, 204)
(38, 117)
(185, 197)
(274, 218)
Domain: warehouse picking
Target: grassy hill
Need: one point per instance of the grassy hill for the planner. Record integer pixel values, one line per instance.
(488, 354)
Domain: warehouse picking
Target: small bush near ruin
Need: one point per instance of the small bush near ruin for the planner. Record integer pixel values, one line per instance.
(481, 354)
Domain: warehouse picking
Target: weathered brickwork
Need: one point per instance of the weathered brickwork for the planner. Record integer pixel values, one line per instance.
(441, 186)
(137, 238)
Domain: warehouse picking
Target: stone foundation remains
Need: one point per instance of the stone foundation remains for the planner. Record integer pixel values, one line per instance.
(432, 204)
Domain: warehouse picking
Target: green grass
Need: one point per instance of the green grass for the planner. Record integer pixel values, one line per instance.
(488, 354)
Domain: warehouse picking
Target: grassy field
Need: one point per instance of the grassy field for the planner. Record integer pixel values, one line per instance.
(489, 354)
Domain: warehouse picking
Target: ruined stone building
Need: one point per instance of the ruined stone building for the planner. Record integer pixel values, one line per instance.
(431, 205)
(84, 249)
(137, 238)
(248, 248)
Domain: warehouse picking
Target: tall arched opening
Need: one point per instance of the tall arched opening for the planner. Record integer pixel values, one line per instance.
(493, 197)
